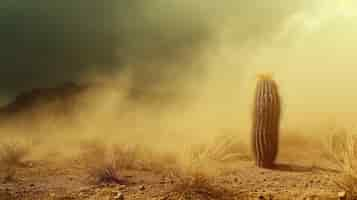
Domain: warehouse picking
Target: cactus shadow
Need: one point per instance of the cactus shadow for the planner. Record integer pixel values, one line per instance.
(299, 168)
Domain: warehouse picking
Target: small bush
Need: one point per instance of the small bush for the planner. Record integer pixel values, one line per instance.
(9, 174)
(224, 148)
(104, 162)
(13, 154)
(348, 184)
(342, 150)
(195, 180)
(199, 185)
(127, 156)
(99, 164)
(105, 173)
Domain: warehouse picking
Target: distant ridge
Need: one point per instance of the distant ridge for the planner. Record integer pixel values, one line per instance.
(40, 96)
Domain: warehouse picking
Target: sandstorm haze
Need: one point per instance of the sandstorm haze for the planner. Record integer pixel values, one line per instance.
(203, 55)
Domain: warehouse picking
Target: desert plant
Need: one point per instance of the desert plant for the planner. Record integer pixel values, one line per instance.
(105, 172)
(99, 164)
(224, 148)
(342, 150)
(98, 157)
(13, 154)
(266, 118)
(9, 174)
(199, 186)
(194, 180)
(348, 184)
(128, 156)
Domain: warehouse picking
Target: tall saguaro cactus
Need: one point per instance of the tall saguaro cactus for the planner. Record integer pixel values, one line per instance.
(266, 118)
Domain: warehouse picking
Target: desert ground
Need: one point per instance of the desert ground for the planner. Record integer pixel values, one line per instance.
(306, 175)
(56, 166)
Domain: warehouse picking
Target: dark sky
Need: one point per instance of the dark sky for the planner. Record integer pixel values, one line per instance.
(45, 43)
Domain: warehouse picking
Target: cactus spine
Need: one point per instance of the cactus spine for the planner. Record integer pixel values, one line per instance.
(266, 117)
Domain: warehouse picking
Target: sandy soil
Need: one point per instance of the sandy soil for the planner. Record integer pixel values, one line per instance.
(306, 175)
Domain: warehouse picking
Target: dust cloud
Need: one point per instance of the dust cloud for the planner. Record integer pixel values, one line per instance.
(170, 98)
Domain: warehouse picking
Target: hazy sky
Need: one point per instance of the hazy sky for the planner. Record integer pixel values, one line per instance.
(45, 43)
(308, 45)
(213, 47)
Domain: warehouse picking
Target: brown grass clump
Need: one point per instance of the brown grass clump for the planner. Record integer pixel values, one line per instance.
(100, 166)
(106, 172)
(342, 150)
(199, 186)
(138, 157)
(337, 150)
(131, 156)
(157, 162)
(193, 180)
(224, 148)
(12, 156)
(103, 163)
(348, 183)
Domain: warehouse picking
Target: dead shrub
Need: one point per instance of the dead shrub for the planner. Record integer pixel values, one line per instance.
(127, 156)
(99, 164)
(106, 172)
(342, 150)
(103, 162)
(194, 180)
(224, 148)
(199, 186)
(137, 157)
(348, 184)
(339, 149)
(12, 156)
(9, 174)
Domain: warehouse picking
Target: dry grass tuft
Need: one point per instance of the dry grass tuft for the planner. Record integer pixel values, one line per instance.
(105, 173)
(224, 148)
(199, 186)
(103, 163)
(194, 180)
(129, 156)
(12, 156)
(157, 162)
(339, 149)
(342, 150)
(100, 166)
(348, 184)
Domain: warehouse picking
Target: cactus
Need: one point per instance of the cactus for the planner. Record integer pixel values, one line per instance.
(266, 118)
